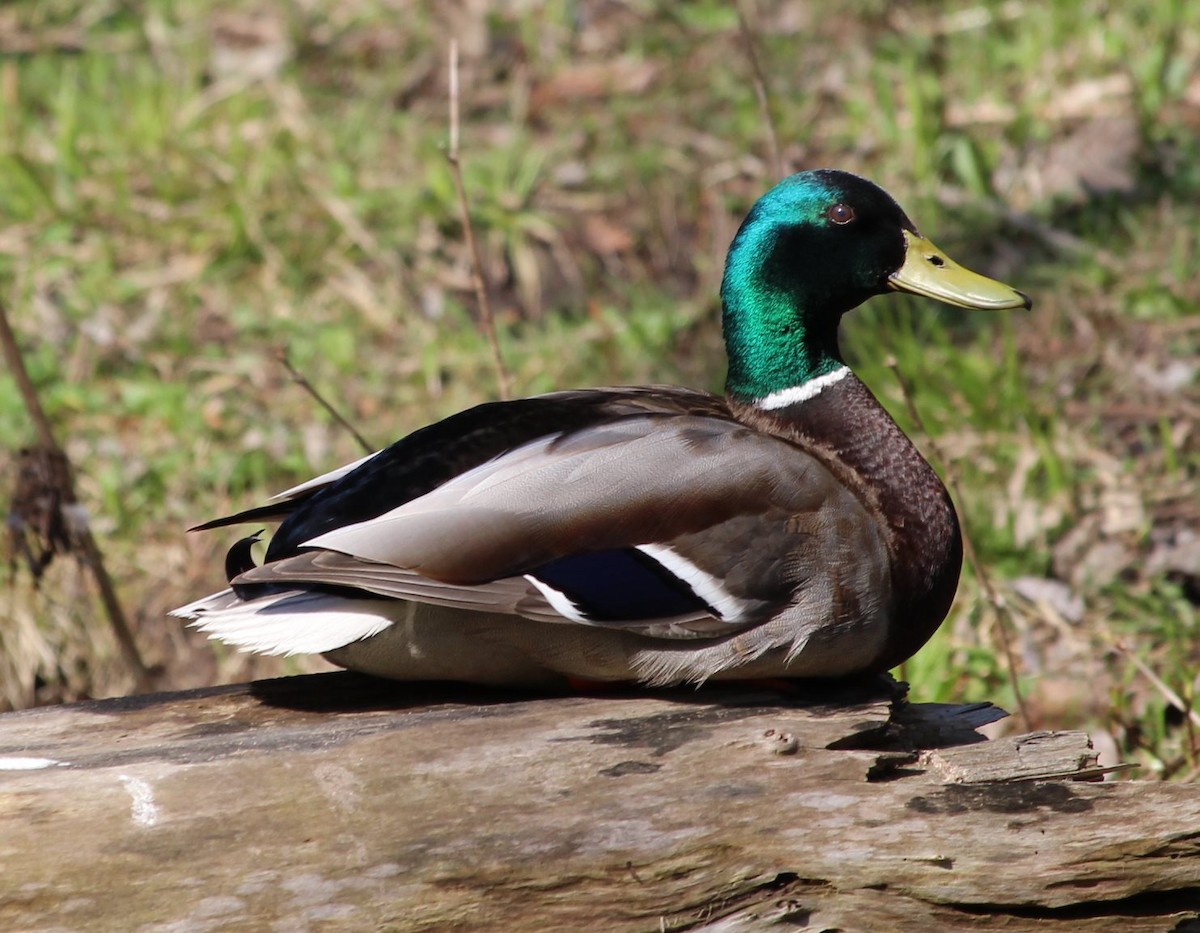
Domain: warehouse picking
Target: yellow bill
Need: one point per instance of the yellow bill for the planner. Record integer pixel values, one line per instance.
(930, 272)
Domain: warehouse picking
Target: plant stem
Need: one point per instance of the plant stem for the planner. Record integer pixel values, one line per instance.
(760, 91)
(1003, 613)
(487, 321)
(77, 523)
(300, 379)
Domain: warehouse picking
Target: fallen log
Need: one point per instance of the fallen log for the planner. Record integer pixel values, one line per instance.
(337, 802)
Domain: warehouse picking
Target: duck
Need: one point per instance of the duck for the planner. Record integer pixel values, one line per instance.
(658, 535)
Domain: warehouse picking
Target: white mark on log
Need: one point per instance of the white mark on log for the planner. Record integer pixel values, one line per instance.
(309, 890)
(621, 835)
(256, 882)
(384, 870)
(27, 764)
(339, 785)
(144, 810)
(329, 912)
(220, 906)
(824, 800)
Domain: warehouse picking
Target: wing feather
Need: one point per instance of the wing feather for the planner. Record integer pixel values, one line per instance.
(639, 481)
(510, 595)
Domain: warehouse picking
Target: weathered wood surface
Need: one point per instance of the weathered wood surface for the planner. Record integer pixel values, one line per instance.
(333, 802)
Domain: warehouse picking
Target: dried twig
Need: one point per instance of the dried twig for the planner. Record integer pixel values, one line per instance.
(75, 520)
(486, 319)
(1173, 698)
(300, 380)
(1003, 613)
(760, 91)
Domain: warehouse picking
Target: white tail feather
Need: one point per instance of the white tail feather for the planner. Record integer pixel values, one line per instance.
(290, 623)
(207, 603)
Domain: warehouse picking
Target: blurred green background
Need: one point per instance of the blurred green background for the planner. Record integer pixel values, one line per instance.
(188, 188)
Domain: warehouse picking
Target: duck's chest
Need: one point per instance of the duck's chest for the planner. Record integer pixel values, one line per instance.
(845, 428)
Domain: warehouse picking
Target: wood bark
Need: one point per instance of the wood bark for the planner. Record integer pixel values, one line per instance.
(336, 802)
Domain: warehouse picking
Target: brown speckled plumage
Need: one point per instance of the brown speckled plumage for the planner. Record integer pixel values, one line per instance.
(847, 428)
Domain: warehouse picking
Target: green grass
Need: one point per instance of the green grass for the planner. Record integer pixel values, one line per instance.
(168, 223)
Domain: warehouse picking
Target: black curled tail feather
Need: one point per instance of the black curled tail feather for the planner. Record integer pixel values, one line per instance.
(239, 559)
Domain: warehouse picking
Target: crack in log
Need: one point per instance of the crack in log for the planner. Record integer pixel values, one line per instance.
(789, 901)
(785, 891)
(1147, 904)
(1176, 845)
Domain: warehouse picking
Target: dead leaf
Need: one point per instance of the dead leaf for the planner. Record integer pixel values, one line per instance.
(1053, 593)
(248, 46)
(593, 81)
(606, 237)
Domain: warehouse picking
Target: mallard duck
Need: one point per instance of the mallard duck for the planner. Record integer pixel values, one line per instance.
(654, 534)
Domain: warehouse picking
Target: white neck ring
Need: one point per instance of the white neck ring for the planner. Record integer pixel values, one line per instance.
(803, 392)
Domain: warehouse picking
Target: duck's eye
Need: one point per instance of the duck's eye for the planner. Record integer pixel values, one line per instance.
(841, 214)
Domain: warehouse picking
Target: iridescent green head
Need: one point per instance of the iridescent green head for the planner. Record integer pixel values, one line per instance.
(815, 246)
